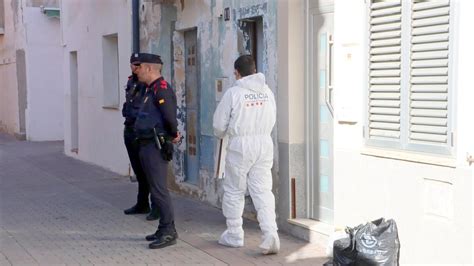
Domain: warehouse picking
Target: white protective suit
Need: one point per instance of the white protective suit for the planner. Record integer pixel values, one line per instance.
(247, 114)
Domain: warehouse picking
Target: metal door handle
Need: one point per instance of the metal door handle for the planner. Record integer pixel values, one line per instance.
(329, 88)
(469, 159)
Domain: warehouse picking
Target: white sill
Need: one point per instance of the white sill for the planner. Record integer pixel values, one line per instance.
(409, 156)
(313, 225)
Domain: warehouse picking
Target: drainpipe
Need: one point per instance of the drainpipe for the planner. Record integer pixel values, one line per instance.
(136, 25)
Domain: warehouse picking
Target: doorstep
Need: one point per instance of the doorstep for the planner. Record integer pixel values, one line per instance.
(311, 230)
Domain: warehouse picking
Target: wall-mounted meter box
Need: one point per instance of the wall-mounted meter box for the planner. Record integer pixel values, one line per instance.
(220, 86)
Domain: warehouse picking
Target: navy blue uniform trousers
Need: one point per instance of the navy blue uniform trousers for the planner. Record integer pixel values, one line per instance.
(156, 172)
(133, 147)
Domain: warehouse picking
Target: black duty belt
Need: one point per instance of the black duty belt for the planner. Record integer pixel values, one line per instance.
(145, 141)
(129, 129)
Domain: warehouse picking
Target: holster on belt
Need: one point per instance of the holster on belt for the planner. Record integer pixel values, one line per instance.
(163, 145)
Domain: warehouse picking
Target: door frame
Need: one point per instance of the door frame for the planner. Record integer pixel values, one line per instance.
(74, 100)
(198, 111)
(311, 109)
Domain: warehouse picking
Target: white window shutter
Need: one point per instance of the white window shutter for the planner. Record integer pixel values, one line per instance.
(428, 108)
(385, 70)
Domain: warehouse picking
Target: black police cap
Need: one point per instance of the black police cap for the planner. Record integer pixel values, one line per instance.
(149, 58)
(134, 58)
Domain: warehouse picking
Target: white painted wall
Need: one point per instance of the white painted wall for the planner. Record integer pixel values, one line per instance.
(9, 114)
(84, 23)
(431, 204)
(27, 29)
(44, 114)
(291, 73)
(465, 128)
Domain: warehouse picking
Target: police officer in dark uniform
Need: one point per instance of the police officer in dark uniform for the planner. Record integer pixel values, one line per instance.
(156, 128)
(134, 94)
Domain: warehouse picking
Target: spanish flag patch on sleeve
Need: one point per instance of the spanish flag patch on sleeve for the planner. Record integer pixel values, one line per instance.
(161, 101)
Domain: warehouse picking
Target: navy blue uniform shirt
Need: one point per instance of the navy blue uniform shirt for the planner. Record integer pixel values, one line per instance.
(158, 110)
(134, 93)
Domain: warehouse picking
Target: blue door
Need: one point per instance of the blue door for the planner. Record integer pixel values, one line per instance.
(192, 107)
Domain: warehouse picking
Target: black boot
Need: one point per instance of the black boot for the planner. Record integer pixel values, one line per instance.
(137, 210)
(164, 240)
(155, 236)
(154, 214)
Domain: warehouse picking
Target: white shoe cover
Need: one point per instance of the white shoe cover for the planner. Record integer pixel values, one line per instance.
(234, 240)
(270, 244)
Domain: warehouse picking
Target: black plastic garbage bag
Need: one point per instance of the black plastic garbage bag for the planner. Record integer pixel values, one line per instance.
(344, 250)
(375, 243)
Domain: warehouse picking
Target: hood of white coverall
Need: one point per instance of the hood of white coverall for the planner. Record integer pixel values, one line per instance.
(255, 82)
(246, 109)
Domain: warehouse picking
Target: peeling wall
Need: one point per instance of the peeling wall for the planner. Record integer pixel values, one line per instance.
(159, 17)
(217, 50)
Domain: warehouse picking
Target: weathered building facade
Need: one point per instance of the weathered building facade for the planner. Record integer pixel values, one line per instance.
(373, 105)
(31, 97)
(199, 41)
(352, 104)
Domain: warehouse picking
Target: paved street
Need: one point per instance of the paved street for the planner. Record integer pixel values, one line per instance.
(57, 210)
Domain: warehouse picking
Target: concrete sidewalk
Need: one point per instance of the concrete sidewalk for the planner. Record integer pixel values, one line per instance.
(57, 210)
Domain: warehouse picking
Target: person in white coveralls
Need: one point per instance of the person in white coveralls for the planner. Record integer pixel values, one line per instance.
(247, 114)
